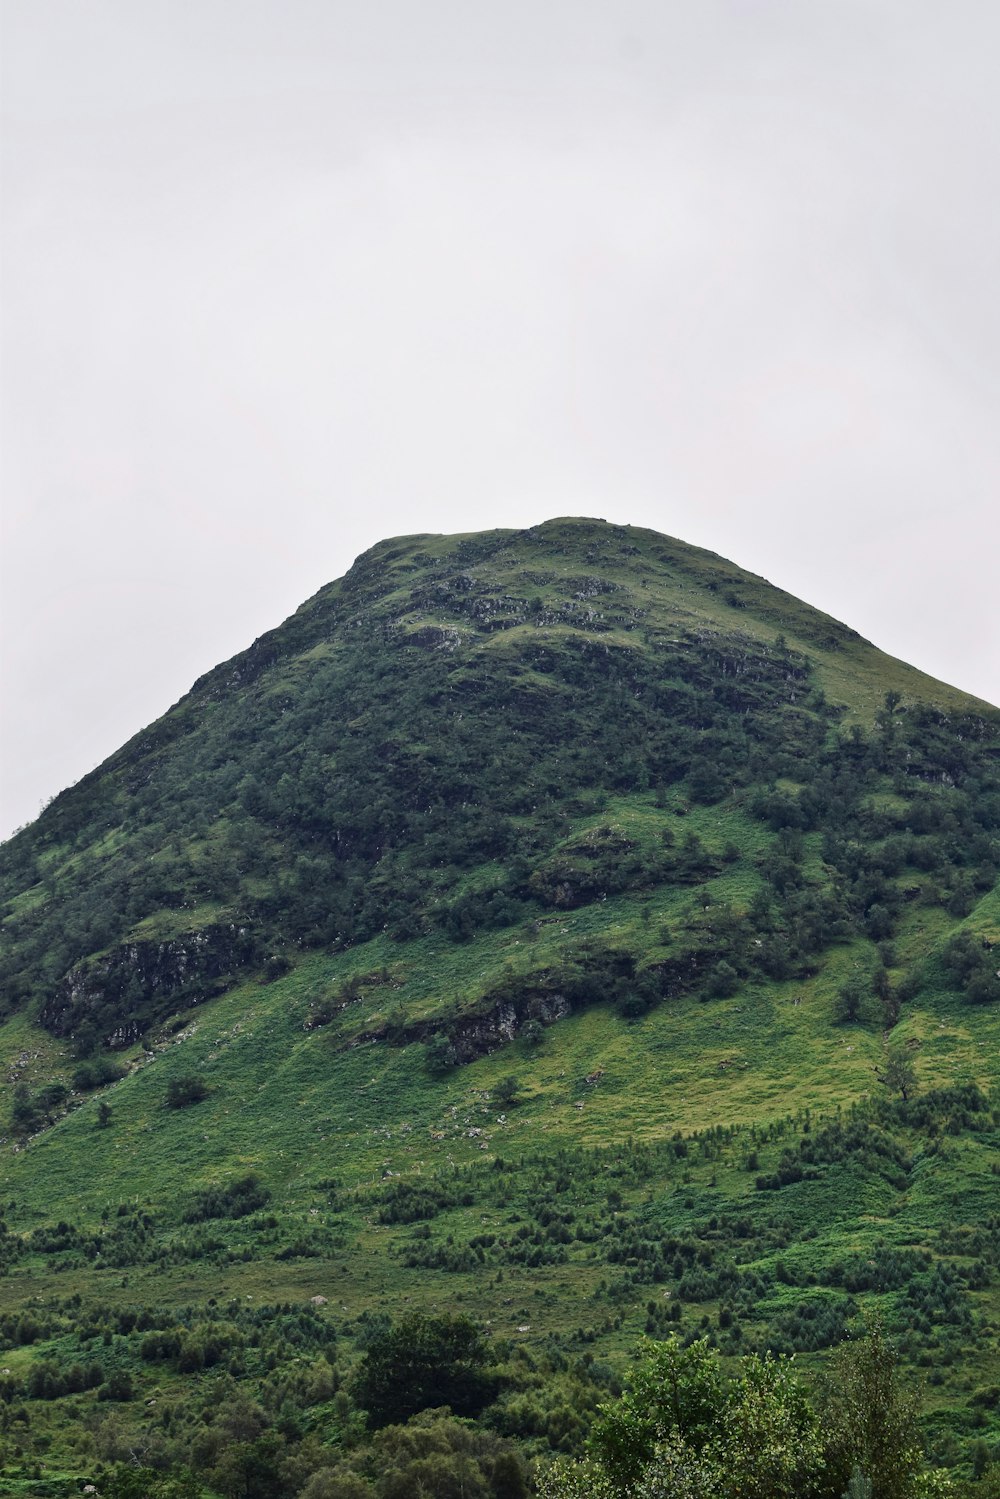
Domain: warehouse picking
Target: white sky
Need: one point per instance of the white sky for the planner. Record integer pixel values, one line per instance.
(285, 277)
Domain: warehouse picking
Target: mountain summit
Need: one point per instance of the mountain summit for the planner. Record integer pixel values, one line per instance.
(429, 714)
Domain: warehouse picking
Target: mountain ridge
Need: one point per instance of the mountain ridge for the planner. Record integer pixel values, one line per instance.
(245, 665)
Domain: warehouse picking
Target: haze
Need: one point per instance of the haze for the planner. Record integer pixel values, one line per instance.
(283, 279)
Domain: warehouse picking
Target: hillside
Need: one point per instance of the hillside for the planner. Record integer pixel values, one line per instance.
(562, 926)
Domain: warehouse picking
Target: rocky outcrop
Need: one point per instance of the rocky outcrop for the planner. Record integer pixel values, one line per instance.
(477, 1035)
(119, 994)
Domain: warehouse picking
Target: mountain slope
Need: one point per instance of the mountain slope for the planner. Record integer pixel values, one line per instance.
(435, 693)
(572, 871)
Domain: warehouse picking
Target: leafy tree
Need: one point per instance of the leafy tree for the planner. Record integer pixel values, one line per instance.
(983, 989)
(251, 1469)
(506, 1091)
(117, 1387)
(769, 1445)
(583, 1480)
(507, 1480)
(95, 1073)
(423, 1362)
(104, 1112)
(327, 1483)
(678, 1472)
(898, 1072)
(533, 1033)
(683, 1432)
(871, 1424)
(675, 1391)
(23, 1114)
(850, 1000)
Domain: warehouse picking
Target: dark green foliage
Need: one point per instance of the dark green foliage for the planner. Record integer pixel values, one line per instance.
(233, 1200)
(118, 1387)
(851, 998)
(186, 1090)
(505, 1094)
(898, 1072)
(723, 980)
(973, 967)
(134, 1482)
(675, 1391)
(440, 1054)
(870, 1421)
(682, 1428)
(409, 1201)
(97, 1072)
(422, 1362)
(33, 1111)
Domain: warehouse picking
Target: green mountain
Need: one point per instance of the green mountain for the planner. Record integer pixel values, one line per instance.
(561, 926)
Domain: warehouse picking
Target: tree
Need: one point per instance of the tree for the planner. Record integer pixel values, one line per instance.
(769, 1445)
(675, 1392)
(850, 999)
(508, 1481)
(677, 1472)
(506, 1091)
(983, 989)
(423, 1362)
(23, 1114)
(327, 1483)
(871, 1424)
(898, 1073)
(104, 1112)
(533, 1033)
(683, 1432)
(250, 1469)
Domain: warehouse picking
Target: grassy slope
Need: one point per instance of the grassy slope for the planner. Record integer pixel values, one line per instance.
(302, 1107)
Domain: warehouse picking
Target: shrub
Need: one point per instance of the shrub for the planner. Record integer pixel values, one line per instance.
(186, 1090)
(97, 1072)
(233, 1200)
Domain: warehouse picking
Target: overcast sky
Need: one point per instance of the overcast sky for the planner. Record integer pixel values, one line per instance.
(284, 277)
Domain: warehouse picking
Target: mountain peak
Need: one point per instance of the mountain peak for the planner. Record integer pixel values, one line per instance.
(535, 918)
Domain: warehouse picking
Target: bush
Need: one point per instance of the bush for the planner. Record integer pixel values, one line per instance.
(96, 1073)
(234, 1200)
(186, 1090)
(439, 1055)
(723, 980)
(117, 1387)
